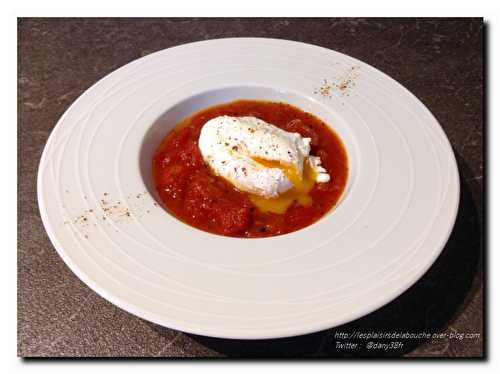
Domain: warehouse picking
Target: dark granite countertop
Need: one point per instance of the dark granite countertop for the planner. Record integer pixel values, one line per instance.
(440, 61)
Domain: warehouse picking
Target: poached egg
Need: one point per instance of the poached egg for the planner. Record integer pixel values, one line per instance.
(272, 165)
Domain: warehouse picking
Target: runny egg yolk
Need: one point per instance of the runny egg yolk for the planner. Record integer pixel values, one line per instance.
(299, 193)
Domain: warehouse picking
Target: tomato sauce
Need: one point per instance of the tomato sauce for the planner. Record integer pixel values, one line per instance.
(192, 193)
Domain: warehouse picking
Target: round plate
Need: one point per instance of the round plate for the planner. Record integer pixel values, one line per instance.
(103, 216)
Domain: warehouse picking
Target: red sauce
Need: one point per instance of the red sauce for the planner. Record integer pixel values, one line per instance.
(192, 193)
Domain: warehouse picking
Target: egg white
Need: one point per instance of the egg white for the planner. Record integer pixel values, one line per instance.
(232, 146)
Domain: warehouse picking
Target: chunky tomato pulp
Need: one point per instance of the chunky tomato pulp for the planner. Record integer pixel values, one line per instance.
(192, 193)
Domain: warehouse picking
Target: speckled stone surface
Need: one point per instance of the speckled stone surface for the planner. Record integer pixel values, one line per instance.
(440, 61)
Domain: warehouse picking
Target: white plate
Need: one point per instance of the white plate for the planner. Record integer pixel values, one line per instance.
(392, 222)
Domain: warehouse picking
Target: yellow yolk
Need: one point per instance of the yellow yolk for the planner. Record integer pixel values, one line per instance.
(299, 193)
